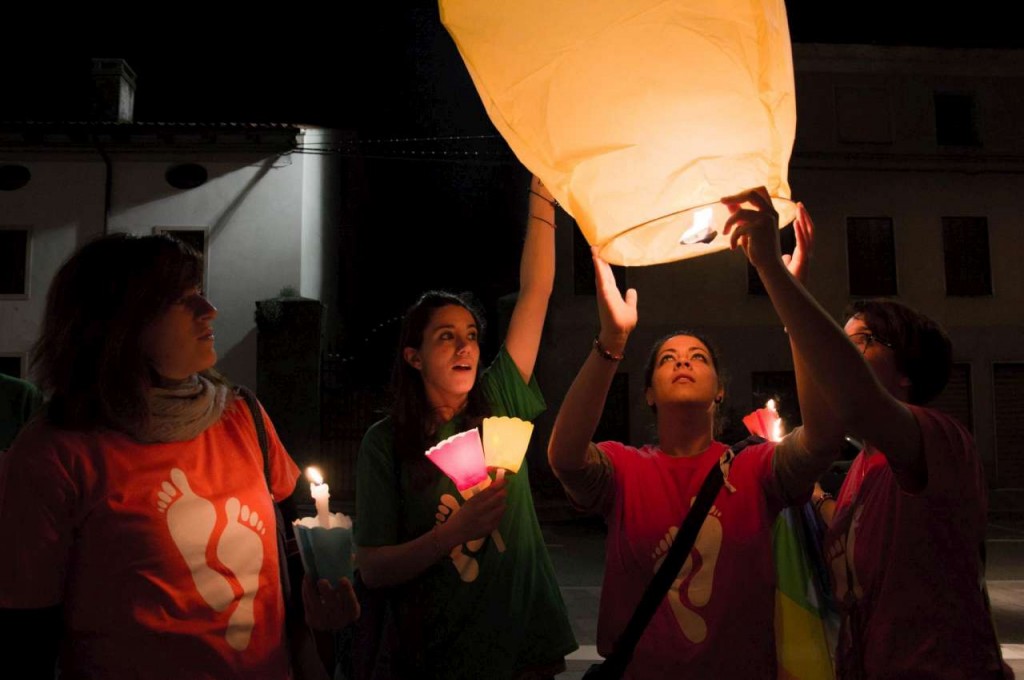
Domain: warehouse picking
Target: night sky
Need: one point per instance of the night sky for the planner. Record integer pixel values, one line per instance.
(392, 72)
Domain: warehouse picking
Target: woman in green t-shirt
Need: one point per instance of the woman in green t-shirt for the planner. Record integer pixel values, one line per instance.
(466, 606)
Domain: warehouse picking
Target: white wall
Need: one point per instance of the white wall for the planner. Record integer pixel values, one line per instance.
(251, 205)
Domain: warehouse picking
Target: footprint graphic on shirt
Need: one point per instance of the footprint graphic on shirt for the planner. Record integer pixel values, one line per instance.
(191, 520)
(695, 581)
(240, 549)
(464, 555)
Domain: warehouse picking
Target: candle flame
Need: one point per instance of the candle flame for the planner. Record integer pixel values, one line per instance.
(313, 475)
(770, 405)
(700, 229)
(776, 434)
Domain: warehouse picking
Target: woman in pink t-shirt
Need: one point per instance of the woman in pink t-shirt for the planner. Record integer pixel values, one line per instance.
(716, 620)
(138, 534)
(907, 531)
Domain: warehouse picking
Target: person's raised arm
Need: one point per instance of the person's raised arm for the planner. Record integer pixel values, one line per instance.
(801, 462)
(536, 281)
(864, 408)
(582, 406)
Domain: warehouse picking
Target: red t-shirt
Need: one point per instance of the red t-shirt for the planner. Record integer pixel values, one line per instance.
(717, 619)
(163, 555)
(906, 567)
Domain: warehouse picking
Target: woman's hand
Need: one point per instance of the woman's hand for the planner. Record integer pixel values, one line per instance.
(329, 608)
(799, 262)
(617, 313)
(755, 229)
(478, 516)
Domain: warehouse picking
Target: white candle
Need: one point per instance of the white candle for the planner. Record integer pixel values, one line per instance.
(321, 494)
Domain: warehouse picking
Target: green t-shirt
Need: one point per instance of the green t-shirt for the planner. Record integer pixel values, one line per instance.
(478, 613)
(19, 399)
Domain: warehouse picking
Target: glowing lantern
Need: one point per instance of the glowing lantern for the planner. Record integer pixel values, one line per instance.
(765, 422)
(505, 442)
(638, 115)
(461, 457)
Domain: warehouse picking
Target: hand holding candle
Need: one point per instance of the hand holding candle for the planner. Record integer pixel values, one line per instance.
(461, 457)
(325, 542)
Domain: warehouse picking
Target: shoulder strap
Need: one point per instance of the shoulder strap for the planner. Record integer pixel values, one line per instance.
(615, 665)
(261, 429)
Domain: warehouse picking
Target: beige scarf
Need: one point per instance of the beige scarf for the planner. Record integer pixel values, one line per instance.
(182, 412)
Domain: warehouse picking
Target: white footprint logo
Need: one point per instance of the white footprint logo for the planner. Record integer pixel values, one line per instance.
(463, 556)
(700, 572)
(240, 549)
(191, 520)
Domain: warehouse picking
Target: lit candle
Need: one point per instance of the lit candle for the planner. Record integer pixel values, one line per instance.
(765, 422)
(321, 494)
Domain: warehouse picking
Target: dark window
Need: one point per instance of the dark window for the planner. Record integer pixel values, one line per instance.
(780, 386)
(11, 365)
(14, 261)
(1008, 396)
(787, 239)
(614, 425)
(955, 120)
(965, 247)
(871, 253)
(955, 399)
(583, 266)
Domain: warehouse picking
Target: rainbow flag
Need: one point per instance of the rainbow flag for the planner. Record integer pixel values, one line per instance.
(806, 622)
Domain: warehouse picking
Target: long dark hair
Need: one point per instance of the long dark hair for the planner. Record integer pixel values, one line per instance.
(652, 363)
(411, 413)
(89, 355)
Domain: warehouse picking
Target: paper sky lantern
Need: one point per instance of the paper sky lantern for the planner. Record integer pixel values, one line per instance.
(461, 457)
(638, 115)
(505, 442)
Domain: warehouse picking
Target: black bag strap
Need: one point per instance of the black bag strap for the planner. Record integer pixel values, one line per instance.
(615, 665)
(261, 431)
(282, 541)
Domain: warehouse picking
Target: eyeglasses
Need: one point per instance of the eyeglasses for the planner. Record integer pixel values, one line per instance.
(865, 340)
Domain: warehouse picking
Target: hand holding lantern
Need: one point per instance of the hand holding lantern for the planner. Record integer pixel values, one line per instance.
(461, 457)
(325, 541)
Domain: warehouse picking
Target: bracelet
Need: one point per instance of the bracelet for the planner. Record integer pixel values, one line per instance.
(548, 222)
(604, 353)
(553, 202)
(824, 497)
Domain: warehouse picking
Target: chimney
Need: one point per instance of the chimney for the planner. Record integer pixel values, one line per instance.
(113, 90)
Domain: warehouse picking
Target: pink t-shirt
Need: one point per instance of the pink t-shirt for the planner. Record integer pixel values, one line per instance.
(717, 619)
(906, 566)
(164, 555)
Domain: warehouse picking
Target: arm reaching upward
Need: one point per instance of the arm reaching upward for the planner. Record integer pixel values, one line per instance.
(536, 280)
(862, 406)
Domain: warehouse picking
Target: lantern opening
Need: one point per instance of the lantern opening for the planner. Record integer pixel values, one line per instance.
(681, 235)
